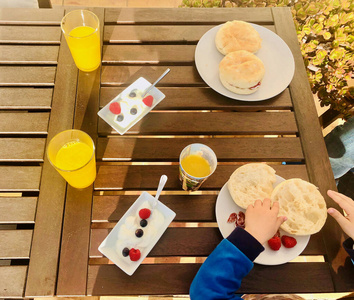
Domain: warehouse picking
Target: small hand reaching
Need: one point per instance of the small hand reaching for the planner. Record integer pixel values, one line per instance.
(347, 204)
(262, 220)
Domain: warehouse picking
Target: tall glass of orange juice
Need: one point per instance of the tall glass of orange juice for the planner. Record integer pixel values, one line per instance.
(72, 153)
(196, 163)
(81, 29)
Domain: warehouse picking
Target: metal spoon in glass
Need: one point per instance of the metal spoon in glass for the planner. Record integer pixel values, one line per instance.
(158, 79)
(162, 183)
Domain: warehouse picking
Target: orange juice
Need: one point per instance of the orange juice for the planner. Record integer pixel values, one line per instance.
(196, 165)
(84, 44)
(78, 161)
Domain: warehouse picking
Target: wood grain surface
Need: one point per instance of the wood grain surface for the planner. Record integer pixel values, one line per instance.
(15, 244)
(72, 276)
(146, 177)
(25, 98)
(226, 149)
(37, 35)
(44, 259)
(17, 210)
(21, 149)
(203, 98)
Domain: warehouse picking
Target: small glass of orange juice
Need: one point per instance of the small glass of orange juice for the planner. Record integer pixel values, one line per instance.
(72, 153)
(196, 163)
(81, 29)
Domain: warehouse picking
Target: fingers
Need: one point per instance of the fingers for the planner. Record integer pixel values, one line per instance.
(266, 203)
(343, 201)
(341, 220)
(275, 207)
(280, 220)
(257, 203)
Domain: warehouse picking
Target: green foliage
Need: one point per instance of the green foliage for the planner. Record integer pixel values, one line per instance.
(325, 30)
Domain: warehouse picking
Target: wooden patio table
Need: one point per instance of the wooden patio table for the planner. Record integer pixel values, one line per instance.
(51, 232)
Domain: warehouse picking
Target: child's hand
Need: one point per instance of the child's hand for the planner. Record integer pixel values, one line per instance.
(262, 221)
(347, 204)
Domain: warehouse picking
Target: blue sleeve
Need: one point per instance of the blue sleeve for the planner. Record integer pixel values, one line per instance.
(221, 274)
(348, 246)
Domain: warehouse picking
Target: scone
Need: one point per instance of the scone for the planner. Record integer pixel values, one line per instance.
(241, 72)
(251, 182)
(237, 35)
(303, 205)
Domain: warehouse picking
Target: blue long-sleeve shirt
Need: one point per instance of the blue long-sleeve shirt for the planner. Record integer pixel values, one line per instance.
(221, 274)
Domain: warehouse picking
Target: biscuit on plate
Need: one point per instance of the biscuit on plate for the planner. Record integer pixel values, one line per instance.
(303, 205)
(237, 35)
(251, 182)
(241, 72)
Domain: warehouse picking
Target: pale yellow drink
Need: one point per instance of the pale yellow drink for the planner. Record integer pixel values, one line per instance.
(81, 30)
(196, 165)
(72, 153)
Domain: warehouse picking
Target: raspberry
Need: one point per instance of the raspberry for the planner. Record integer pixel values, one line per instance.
(274, 243)
(232, 218)
(144, 213)
(134, 254)
(148, 100)
(288, 241)
(114, 107)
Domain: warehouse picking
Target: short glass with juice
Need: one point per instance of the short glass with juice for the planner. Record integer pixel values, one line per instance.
(72, 153)
(196, 163)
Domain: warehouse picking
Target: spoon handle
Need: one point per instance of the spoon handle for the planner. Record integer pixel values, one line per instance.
(158, 79)
(162, 183)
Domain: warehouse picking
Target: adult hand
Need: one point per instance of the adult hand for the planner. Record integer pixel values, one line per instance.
(347, 204)
(262, 221)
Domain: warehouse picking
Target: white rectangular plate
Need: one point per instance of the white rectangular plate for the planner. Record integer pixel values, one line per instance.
(124, 120)
(109, 246)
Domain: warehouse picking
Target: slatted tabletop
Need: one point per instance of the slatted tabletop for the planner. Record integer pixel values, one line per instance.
(52, 231)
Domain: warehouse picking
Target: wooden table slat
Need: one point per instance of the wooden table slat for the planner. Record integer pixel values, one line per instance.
(43, 266)
(72, 276)
(164, 34)
(21, 122)
(135, 177)
(314, 148)
(30, 35)
(226, 149)
(31, 16)
(21, 149)
(147, 280)
(203, 98)
(19, 178)
(25, 98)
(12, 281)
(150, 54)
(186, 15)
(187, 207)
(17, 210)
(27, 76)
(190, 242)
(15, 244)
(187, 242)
(210, 123)
(10, 54)
(126, 75)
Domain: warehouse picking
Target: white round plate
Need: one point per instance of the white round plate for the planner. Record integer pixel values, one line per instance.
(225, 206)
(277, 58)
